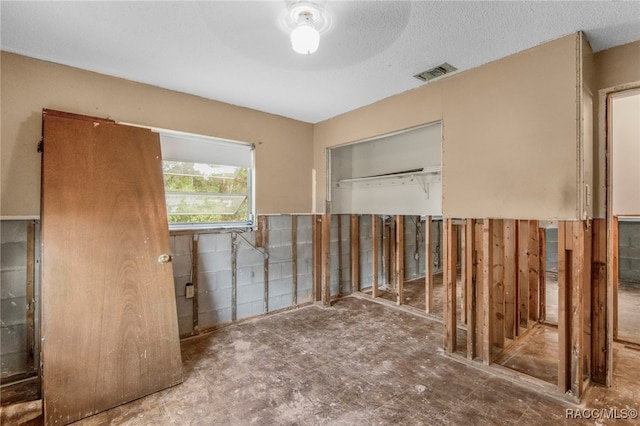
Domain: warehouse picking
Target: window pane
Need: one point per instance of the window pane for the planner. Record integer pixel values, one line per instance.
(180, 203)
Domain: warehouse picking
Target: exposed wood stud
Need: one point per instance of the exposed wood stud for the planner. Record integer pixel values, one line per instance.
(428, 264)
(294, 259)
(449, 298)
(399, 267)
(564, 302)
(599, 301)
(375, 236)
(30, 294)
(261, 232)
(234, 276)
(463, 272)
(340, 251)
(510, 278)
(355, 252)
(470, 287)
(523, 275)
(615, 266)
(487, 280)
(264, 239)
(326, 258)
(542, 273)
(534, 267)
(194, 279)
(497, 283)
(576, 325)
(479, 296)
(386, 252)
(317, 258)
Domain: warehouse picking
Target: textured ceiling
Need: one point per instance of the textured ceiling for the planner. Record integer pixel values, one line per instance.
(237, 51)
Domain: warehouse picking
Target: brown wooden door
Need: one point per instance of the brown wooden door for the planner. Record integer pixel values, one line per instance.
(109, 323)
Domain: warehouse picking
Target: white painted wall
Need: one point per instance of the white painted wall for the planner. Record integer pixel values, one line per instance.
(626, 153)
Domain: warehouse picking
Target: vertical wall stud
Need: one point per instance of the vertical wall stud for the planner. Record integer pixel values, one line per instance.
(340, 263)
(510, 278)
(317, 258)
(30, 294)
(480, 290)
(523, 275)
(355, 252)
(294, 259)
(542, 273)
(487, 281)
(565, 268)
(470, 287)
(464, 270)
(234, 276)
(326, 267)
(400, 259)
(428, 264)
(194, 278)
(534, 267)
(375, 235)
(599, 302)
(449, 305)
(497, 283)
(263, 222)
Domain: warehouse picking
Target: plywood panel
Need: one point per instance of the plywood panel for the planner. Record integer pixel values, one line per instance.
(109, 322)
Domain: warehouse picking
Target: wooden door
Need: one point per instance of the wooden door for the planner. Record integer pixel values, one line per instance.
(109, 323)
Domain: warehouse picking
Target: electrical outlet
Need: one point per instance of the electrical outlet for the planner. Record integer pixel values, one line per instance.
(189, 291)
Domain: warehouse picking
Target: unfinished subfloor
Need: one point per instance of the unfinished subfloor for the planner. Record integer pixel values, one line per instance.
(358, 362)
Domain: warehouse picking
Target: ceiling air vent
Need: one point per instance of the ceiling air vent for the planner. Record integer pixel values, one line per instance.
(435, 72)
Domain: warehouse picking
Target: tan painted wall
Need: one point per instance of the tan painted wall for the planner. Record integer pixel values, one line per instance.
(510, 134)
(618, 67)
(283, 146)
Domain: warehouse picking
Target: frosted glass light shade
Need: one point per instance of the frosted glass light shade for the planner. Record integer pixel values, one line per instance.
(305, 39)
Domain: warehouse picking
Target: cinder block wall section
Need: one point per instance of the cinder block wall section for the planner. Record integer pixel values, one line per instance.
(629, 251)
(233, 269)
(13, 296)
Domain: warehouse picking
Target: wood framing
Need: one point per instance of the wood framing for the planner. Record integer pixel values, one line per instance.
(479, 293)
(523, 274)
(615, 270)
(234, 276)
(428, 264)
(487, 286)
(462, 236)
(375, 236)
(354, 227)
(294, 259)
(261, 232)
(534, 267)
(317, 258)
(510, 278)
(599, 301)
(326, 258)
(470, 287)
(264, 240)
(194, 280)
(450, 240)
(386, 253)
(497, 292)
(565, 259)
(399, 263)
(30, 294)
(542, 274)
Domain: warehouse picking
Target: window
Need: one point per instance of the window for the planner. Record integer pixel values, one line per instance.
(208, 182)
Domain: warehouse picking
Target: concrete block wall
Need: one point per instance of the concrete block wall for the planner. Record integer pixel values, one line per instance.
(13, 300)
(629, 251)
(215, 272)
(551, 246)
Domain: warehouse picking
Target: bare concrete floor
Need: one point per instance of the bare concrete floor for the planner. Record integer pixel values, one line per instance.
(356, 363)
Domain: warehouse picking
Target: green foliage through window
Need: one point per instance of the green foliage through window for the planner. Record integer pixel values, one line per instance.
(206, 193)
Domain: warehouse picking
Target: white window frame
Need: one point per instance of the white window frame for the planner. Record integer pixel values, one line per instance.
(189, 147)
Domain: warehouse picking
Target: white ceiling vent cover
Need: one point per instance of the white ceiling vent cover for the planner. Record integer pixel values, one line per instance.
(435, 72)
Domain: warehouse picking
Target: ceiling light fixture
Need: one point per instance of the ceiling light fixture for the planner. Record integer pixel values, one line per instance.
(306, 21)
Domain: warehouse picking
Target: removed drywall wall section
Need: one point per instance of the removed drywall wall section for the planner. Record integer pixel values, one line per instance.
(283, 151)
(236, 278)
(19, 278)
